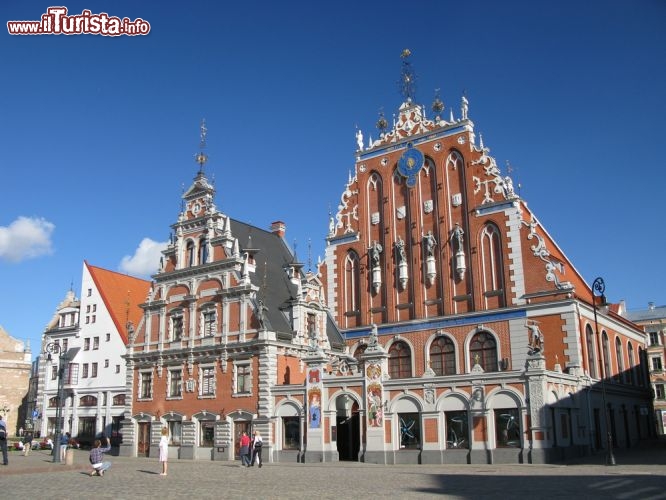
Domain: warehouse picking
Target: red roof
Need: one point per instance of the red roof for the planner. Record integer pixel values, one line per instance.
(122, 295)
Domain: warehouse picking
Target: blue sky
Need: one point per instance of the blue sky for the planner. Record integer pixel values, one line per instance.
(98, 134)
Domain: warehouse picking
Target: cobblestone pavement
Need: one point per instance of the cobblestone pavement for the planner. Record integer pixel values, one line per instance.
(638, 475)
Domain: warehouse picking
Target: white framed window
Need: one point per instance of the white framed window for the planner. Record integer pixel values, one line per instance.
(242, 378)
(208, 321)
(176, 326)
(146, 385)
(207, 381)
(175, 384)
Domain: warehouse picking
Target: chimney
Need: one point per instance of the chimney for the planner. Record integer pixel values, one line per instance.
(278, 227)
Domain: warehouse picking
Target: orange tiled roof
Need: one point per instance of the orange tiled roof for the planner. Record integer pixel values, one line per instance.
(121, 294)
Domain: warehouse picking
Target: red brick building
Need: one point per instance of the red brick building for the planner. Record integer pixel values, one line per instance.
(445, 325)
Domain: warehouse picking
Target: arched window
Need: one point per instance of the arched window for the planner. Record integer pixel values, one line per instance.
(621, 376)
(119, 400)
(189, 254)
(589, 340)
(352, 282)
(492, 267)
(400, 360)
(360, 350)
(606, 352)
(454, 161)
(203, 251)
(632, 364)
(53, 402)
(483, 350)
(88, 401)
(443, 356)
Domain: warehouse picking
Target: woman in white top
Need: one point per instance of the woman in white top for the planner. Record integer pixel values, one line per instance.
(164, 450)
(257, 443)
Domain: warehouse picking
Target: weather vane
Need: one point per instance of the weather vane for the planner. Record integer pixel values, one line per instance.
(201, 158)
(407, 77)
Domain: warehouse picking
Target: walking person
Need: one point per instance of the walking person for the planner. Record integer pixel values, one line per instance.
(257, 443)
(27, 443)
(97, 458)
(64, 441)
(164, 450)
(245, 449)
(3, 441)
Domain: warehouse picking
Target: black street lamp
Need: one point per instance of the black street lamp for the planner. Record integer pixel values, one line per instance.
(598, 289)
(64, 357)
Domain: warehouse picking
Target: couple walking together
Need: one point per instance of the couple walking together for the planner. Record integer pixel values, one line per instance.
(248, 445)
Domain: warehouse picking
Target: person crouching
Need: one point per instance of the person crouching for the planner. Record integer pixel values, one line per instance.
(97, 458)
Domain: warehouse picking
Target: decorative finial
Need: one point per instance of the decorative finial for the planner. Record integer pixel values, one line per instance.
(201, 158)
(309, 254)
(437, 104)
(407, 77)
(382, 124)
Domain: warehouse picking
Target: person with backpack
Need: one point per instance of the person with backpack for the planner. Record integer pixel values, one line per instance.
(257, 443)
(3, 441)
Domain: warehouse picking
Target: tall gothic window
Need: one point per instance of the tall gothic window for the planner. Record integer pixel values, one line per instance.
(632, 364)
(589, 341)
(203, 251)
(352, 282)
(400, 360)
(189, 254)
(483, 350)
(622, 377)
(491, 262)
(443, 356)
(606, 351)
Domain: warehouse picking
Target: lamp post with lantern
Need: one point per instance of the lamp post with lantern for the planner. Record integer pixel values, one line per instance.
(598, 289)
(64, 357)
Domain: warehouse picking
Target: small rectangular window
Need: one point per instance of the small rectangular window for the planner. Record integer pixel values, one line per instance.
(65, 344)
(94, 370)
(106, 363)
(89, 292)
(54, 372)
(146, 385)
(175, 384)
(243, 378)
(95, 343)
(117, 368)
(85, 370)
(108, 337)
(86, 344)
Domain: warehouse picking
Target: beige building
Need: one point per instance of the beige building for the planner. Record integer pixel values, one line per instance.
(653, 321)
(15, 365)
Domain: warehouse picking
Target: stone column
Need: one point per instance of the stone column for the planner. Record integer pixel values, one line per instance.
(536, 382)
(317, 427)
(376, 370)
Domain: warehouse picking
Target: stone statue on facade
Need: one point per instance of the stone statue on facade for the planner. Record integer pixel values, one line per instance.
(535, 345)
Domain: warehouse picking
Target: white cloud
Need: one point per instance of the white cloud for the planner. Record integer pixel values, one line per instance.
(146, 258)
(26, 238)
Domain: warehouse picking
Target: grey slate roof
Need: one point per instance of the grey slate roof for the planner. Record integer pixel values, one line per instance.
(273, 257)
(653, 314)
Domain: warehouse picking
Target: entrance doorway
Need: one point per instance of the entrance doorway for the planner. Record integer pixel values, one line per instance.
(240, 426)
(347, 424)
(143, 449)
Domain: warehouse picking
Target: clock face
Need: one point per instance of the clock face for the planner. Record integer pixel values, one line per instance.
(409, 165)
(196, 208)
